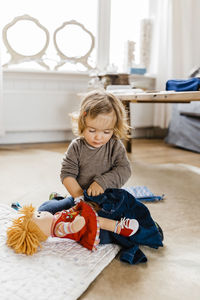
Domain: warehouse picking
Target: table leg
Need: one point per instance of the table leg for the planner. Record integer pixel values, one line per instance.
(128, 113)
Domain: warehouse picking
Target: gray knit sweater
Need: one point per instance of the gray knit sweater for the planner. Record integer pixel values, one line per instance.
(108, 165)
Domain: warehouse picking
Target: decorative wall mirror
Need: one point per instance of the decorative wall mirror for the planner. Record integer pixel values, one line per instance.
(68, 43)
(25, 50)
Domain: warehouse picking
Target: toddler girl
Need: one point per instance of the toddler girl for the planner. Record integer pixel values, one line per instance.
(97, 159)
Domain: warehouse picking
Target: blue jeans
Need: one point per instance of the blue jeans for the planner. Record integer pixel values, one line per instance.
(55, 205)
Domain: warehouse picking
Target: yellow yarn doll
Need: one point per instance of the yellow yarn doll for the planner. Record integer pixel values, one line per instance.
(24, 236)
(80, 223)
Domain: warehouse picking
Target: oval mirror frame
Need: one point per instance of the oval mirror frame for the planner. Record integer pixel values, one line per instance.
(16, 57)
(73, 59)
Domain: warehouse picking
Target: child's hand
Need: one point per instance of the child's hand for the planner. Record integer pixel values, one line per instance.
(94, 189)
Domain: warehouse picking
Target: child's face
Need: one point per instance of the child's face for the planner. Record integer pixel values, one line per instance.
(99, 130)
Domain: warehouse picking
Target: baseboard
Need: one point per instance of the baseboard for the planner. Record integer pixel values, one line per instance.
(25, 137)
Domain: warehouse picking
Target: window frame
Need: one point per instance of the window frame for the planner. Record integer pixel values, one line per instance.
(102, 41)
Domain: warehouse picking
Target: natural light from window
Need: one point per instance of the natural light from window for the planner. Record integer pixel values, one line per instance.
(126, 18)
(51, 14)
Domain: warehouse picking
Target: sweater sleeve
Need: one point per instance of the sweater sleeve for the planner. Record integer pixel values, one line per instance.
(62, 229)
(70, 164)
(120, 171)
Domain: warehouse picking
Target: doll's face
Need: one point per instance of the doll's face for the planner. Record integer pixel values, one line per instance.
(43, 219)
(42, 215)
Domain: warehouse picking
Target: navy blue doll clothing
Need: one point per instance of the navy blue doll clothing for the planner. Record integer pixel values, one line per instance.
(118, 203)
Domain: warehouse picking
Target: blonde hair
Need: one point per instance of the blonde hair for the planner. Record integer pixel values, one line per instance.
(24, 236)
(101, 102)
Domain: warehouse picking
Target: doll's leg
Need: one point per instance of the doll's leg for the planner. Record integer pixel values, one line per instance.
(54, 206)
(125, 227)
(77, 224)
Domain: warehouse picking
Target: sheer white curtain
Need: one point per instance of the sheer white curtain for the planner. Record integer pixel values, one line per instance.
(176, 47)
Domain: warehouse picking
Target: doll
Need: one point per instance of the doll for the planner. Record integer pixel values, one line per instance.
(80, 223)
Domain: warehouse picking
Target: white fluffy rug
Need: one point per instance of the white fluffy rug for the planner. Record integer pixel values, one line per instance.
(63, 269)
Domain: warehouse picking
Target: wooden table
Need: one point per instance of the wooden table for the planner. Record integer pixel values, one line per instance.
(154, 97)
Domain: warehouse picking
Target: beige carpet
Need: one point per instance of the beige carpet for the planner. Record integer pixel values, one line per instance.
(172, 272)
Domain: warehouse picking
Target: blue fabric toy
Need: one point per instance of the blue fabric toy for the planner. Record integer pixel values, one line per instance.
(142, 193)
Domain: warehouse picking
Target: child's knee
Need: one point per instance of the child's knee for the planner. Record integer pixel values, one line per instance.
(44, 206)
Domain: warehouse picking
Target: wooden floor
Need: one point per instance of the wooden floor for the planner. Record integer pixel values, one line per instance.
(153, 151)
(156, 151)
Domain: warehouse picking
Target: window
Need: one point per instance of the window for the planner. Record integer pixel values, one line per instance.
(51, 14)
(126, 16)
(124, 20)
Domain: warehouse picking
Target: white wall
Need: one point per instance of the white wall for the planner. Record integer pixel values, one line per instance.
(37, 104)
(1, 103)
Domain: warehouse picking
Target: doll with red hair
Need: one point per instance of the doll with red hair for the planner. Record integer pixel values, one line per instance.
(80, 223)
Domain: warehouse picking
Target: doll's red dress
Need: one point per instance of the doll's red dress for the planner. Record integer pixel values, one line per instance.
(88, 236)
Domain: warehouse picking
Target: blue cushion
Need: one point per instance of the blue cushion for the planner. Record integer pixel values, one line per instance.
(191, 84)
